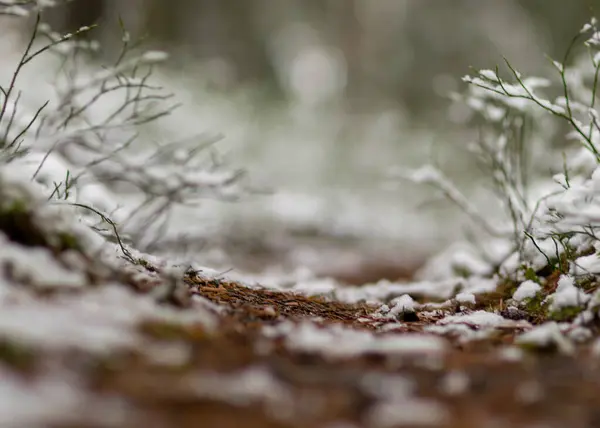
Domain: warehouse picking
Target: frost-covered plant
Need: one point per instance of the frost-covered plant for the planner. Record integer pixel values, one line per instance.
(82, 144)
(548, 223)
(25, 7)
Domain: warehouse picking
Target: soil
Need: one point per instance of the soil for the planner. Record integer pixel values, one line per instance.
(473, 383)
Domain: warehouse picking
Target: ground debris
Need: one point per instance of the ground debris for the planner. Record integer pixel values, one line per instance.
(281, 359)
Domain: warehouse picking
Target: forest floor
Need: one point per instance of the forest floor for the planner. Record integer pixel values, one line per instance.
(278, 359)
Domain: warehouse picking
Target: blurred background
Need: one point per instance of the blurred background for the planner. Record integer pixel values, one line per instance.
(317, 99)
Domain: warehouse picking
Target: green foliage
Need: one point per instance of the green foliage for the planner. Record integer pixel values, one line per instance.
(567, 313)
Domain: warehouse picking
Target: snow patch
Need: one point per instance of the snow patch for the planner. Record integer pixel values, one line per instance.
(465, 298)
(527, 290)
(546, 335)
(476, 319)
(342, 342)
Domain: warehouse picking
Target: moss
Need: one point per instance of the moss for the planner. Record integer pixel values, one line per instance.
(17, 356)
(531, 275)
(462, 271)
(536, 308)
(17, 223)
(588, 283)
(162, 330)
(68, 241)
(567, 313)
(143, 262)
(534, 348)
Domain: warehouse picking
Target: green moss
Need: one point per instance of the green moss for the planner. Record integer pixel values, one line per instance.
(565, 314)
(68, 241)
(531, 275)
(536, 308)
(17, 356)
(537, 349)
(588, 283)
(15, 206)
(142, 262)
(17, 223)
(163, 330)
(461, 271)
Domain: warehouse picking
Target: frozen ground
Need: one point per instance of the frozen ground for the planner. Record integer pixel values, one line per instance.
(89, 339)
(157, 346)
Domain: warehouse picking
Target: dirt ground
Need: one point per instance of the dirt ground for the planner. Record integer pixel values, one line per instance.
(471, 385)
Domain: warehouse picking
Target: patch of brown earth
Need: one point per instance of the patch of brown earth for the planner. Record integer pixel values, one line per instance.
(473, 384)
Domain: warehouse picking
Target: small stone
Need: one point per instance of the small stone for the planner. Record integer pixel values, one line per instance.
(515, 314)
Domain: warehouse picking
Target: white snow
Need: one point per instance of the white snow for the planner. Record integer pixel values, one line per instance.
(529, 392)
(465, 298)
(37, 267)
(586, 265)
(565, 282)
(385, 290)
(476, 319)
(402, 304)
(54, 399)
(546, 335)
(454, 383)
(526, 290)
(579, 334)
(407, 411)
(100, 321)
(397, 405)
(458, 258)
(567, 295)
(342, 342)
(252, 385)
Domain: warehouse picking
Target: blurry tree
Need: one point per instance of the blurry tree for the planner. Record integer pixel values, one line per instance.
(81, 13)
(394, 50)
(559, 22)
(213, 29)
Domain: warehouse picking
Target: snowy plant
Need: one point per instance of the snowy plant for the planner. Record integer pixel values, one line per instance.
(82, 144)
(550, 221)
(25, 7)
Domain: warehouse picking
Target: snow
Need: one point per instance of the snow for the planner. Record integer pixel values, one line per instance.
(252, 385)
(586, 265)
(579, 334)
(455, 383)
(402, 304)
(99, 321)
(565, 282)
(54, 399)
(510, 354)
(384, 290)
(526, 290)
(476, 319)
(567, 295)
(489, 74)
(341, 342)
(408, 344)
(407, 411)
(397, 405)
(546, 335)
(529, 392)
(465, 298)
(37, 267)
